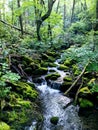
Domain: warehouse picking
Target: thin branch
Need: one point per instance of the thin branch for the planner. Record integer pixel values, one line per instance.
(12, 26)
(75, 82)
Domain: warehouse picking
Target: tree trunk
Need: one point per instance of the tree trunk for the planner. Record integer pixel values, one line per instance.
(20, 18)
(73, 8)
(43, 18)
(96, 25)
(64, 15)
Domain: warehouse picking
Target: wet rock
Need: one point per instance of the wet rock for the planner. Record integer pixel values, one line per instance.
(54, 84)
(38, 80)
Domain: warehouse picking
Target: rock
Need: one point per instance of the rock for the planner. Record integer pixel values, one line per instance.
(54, 120)
(54, 84)
(4, 126)
(41, 71)
(63, 67)
(34, 66)
(65, 85)
(27, 59)
(68, 78)
(67, 62)
(52, 53)
(52, 76)
(47, 58)
(38, 80)
(25, 89)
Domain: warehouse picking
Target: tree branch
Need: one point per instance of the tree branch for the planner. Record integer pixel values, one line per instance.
(12, 26)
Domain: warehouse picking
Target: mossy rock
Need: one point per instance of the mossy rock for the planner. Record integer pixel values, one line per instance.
(65, 85)
(68, 62)
(27, 59)
(4, 126)
(52, 53)
(28, 70)
(48, 58)
(44, 64)
(41, 71)
(63, 67)
(52, 76)
(47, 64)
(77, 72)
(54, 120)
(68, 78)
(26, 90)
(85, 103)
(34, 66)
(52, 65)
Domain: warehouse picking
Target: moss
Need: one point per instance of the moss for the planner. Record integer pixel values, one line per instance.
(48, 58)
(52, 64)
(54, 120)
(51, 53)
(41, 71)
(27, 59)
(68, 62)
(4, 126)
(34, 65)
(67, 78)
(63, 67)
(44, 64)
(26, 90)
(85, 103)
(52, 76)
(76, 70)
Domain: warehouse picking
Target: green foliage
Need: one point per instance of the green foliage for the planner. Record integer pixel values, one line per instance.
(84, 103)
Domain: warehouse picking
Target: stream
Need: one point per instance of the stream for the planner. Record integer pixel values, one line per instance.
(55, 104)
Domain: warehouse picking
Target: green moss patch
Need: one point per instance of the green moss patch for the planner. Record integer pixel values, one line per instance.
(4, 126)
(63, 67)
(26, 90)
(52, 76)
(54, 120)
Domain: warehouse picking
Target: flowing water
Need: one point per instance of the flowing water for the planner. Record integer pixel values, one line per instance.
(55, 104)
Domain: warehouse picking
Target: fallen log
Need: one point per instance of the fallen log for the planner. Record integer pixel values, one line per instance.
(75, 82)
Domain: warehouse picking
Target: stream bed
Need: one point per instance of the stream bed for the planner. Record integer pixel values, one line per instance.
(55, 104)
